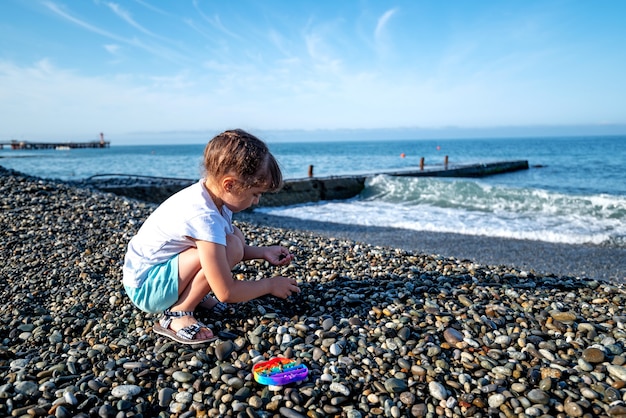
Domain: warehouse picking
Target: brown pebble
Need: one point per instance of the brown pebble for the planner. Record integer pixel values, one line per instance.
(565, 317)
(452, 336)
(572, 409)
(549, 372)
(618, 384)
(479, 403)
(593, 355)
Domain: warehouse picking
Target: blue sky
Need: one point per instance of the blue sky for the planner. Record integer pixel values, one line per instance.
(146, 70)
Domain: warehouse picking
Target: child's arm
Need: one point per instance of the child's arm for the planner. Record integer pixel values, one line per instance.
(275, 254)
(217, 271)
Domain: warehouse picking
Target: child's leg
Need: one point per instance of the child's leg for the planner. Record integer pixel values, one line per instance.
(193, 286)
(188, 299)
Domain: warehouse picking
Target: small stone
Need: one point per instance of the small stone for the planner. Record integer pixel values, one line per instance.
(437, 390)
(593, 355)
(122, 391)
(326, 377)
(224, 350)
(394, 385)
(124, 405)
(290, 413)
(339, 388)
(19, 363)
(564, 317)
(496, 400)
(327, 324)
(572, 409)
(336, 349)
(617, 411)
(465, 301)
(407, 398)
(177, 407)
(452, 336)
(255, 402)
(134, 365)
(182, 377)
(617, 371)
(62, 412)
(242, 394)
(538, 396)
(27, 388)
(70, 398)
(107, 411)
(165, 396)
(353, 413)
(183, 397)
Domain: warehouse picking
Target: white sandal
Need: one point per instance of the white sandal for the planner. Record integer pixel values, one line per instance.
(184, 335)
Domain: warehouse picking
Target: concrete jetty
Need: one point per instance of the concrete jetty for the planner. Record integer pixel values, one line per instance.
(345, 187)
(295, 191)
(27, 145)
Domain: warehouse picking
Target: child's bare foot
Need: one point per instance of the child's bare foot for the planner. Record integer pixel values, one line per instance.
(183, 328)
(183, 322)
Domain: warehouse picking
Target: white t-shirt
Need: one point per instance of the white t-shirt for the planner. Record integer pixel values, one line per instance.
(169, 230)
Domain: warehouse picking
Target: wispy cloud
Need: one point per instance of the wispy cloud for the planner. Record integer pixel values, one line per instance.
(155, 49)
(65, 15)
(112, 49)
(382, 23)
(127, 17)
(215, 22)
(153, 8)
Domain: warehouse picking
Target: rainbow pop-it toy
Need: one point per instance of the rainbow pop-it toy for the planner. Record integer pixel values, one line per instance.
(279, 371)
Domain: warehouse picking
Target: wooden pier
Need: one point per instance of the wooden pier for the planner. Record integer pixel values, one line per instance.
(27, 145)
(295, 191)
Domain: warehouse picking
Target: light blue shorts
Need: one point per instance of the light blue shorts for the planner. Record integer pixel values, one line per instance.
(160, 289)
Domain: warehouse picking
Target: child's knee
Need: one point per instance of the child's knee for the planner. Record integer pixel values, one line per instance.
(234, 249)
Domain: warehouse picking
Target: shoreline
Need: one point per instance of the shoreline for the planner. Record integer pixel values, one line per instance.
(594, 262)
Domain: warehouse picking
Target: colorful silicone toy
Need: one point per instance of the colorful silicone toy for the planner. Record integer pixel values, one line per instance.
(279, 371)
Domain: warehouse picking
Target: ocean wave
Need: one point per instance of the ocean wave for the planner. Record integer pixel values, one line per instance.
(473, 208)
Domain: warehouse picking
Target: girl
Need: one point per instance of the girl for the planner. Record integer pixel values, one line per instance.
(188, 246)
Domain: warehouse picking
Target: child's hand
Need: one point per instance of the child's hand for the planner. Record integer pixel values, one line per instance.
(283, 287)
(279, 256)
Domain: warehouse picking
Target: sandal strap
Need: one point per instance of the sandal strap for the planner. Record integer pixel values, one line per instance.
(177, 314)
(220, 308)
(190, 331)
(168, 315)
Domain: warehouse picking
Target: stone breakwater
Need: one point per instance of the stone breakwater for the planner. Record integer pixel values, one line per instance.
(383, 332)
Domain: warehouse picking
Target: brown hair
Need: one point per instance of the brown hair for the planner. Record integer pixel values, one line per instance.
(239, 153)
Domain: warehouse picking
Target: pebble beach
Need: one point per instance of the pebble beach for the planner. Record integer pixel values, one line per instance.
(383, 330)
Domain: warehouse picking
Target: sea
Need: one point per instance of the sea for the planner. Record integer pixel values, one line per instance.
(574, 191)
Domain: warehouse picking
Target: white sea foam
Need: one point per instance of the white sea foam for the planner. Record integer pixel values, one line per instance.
(469, 207)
